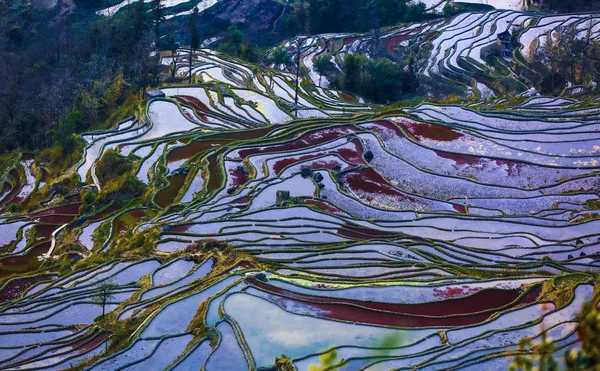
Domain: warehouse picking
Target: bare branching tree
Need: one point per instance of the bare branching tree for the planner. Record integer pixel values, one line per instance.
(105, 292)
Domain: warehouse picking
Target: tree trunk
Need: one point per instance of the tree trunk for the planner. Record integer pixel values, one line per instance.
(586, 53)
(297, 76)
(191, 55)
(174, 70)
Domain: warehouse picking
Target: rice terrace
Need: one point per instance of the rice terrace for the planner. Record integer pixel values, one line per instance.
(303, 185)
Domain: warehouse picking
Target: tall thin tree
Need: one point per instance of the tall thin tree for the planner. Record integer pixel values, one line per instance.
(174, 58)
(157, 16)
(298, 44)
(194, 38)
(105, 293)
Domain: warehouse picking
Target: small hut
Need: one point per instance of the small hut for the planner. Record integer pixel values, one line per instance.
(152, 94)
(506, 46)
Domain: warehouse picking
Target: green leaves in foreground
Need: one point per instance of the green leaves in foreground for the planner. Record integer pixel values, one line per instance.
(540, 357)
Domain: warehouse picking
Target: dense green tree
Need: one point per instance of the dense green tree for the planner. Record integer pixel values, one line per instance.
(64, 134)
(321, 16)
(382, 81)
(351, 70)
(139, 18)
(379, 80)
(158, 17)
(280, 56)
(237, 37)
(81, 64)
(250, 54)
(322, 64)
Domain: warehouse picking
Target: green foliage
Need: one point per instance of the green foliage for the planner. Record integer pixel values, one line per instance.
(562, 6)
(280, 56)
(115, 172)
(322, 16)
(382, 81)
(284, 363)
(540, 356)
(351, 72)
(326, 360)
(112, 165)
(236, 36)
(66, 76)
(194, 36)
(64, 134)
(125, 188)
(567, 58)
(101, 234)
(158, 16)
(323, 65)
(250, 54)
(379, 80)
(588, 329)
(88, 197)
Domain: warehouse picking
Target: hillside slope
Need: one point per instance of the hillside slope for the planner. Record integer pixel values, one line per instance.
(232, 227)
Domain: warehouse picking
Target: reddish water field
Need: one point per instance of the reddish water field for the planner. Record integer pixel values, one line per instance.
(306, 140)
(422, 131)
(17, 287)
(465, 311)
(369, 181)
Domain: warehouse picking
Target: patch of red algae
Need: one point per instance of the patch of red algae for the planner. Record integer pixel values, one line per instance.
(455, 292)
(459, 159)
(323, 164)
(238, 177)
(189, 116)
(306, 140)
(350, 40)
(422, 131)
(364, 233)
(17, 287)
(282, 164)
(385, 129)
(323, 206)
(193, 148)
(72, 209)
(195, 104)
(513, 168)
(355, 155)
(109, 210)
(45, 230)
(460, 208)
(56, 219)
(469, 310)
(180, 228)
(242, 200)
(370, 182)
(90, 341)
(391, 43)
(429, 37)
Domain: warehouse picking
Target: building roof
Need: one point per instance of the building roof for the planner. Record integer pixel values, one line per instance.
(504, 36)
(151, 94)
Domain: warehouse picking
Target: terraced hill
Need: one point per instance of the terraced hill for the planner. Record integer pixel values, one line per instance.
(333, 232)
(453, 51)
